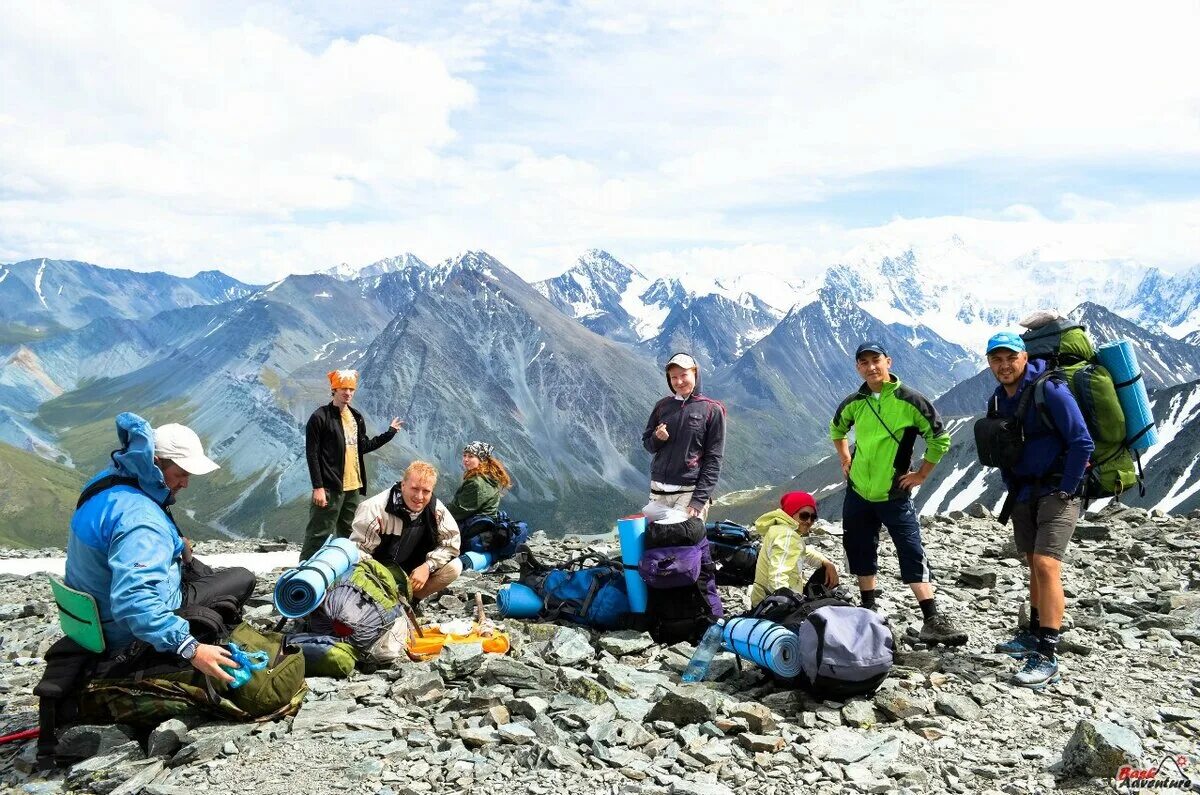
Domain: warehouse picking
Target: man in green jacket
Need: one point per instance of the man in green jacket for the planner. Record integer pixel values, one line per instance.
(887, 417)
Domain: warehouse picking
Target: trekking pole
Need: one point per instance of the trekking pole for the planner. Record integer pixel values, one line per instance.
(27, 734)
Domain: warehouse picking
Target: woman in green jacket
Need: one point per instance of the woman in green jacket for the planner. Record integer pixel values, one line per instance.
(484, 478)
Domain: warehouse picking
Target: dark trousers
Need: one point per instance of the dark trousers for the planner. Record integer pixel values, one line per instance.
(861, 523)
(206, 587)
(334, 519)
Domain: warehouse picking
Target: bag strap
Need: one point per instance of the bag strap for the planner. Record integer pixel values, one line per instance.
(878, 416)
(104, 484)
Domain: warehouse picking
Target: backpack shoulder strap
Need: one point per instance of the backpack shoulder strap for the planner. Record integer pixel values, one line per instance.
(104, 484)
(1038, 392)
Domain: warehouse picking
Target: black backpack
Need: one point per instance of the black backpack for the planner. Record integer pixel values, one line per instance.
(681, 582)
(734, 552)
(1001, 440)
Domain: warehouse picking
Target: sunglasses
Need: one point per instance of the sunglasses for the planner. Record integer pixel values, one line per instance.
(806, 517)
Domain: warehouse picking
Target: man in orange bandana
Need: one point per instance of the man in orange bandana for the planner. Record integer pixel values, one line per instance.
(335, 443)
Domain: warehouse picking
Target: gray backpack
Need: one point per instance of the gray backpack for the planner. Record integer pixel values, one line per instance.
(844, 650)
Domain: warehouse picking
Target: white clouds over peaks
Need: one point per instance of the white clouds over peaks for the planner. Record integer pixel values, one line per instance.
(279, 138)
(128, 101)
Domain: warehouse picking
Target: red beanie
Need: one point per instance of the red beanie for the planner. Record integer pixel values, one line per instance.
(795, 500)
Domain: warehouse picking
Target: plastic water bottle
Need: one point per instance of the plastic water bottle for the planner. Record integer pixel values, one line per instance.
(249, 662)
(710, 644)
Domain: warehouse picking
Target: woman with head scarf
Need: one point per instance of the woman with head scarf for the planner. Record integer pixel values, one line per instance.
(484, 478)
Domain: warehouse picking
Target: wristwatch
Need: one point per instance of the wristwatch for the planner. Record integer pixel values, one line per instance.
(188, 650)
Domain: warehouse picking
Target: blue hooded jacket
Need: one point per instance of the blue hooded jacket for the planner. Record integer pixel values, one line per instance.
(1046, 450)
(127, 553)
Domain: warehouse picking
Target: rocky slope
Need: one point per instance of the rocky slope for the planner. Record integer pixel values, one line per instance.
(582, 712)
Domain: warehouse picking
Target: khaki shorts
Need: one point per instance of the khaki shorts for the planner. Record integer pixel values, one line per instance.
(1045, 526)
(660, 503)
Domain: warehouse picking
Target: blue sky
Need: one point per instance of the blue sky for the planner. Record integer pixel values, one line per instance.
(272, 138)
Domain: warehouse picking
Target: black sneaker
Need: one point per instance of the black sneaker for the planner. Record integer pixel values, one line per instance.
(938, 628)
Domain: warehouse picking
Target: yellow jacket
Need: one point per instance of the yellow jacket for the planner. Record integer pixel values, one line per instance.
(779, 559)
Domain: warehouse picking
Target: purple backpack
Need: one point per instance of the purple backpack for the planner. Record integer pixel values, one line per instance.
(678, 570)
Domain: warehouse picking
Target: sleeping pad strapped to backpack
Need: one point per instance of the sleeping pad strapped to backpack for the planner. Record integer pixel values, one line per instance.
(588, 590)
(734, 550)
(679, 573)
(360, 609)
(845, 650)
(1069, 353)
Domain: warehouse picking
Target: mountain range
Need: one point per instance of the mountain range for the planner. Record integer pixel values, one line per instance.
(559, 374)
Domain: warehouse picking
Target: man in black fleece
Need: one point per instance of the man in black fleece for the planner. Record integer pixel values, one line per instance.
(686, 436)
(335, 442)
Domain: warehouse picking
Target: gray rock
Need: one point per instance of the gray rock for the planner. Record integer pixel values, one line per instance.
(569, 646)
(458, 660)
(686, 705)
(957, 706)
(516, 734)
(860, 714)
(167, 738)
(145, 773)
(1175, 713)
(899, 704)
(759, 742)
(977, 577)
(625, 642)
(529, 707)
(1099, 749)
(106, 768)
(83, 741)
(417, 685)
(477, 738)
(757, 717)
(1092, 531)
(515, 674)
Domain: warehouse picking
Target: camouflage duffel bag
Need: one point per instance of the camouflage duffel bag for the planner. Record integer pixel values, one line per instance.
(147, 688)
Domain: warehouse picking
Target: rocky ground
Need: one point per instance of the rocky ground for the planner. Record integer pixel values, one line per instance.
(572, 711)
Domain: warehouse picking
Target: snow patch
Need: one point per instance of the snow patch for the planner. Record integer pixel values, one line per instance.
(37, 283)
(3, 274)
(1187, 485)
(322, 294)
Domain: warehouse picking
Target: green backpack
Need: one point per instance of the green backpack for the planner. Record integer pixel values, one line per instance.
(361, 607)
(160, 690)
(1068, 351)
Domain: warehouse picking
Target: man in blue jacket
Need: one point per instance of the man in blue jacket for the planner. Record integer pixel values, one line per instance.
(1045, 487)
(125, 550)
(686, 436)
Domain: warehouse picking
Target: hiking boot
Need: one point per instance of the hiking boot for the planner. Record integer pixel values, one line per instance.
(938, 628)
(1022, 644)
(1038, 672)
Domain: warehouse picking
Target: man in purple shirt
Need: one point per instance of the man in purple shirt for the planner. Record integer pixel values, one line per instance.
(1044, 485)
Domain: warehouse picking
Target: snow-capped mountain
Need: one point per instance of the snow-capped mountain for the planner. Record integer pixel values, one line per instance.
(609, 297)
(397, 264)
(42, 295)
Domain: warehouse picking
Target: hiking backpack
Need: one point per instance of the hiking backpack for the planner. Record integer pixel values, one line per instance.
(845, 650)
(1071, 359)
(498, 536)
(361, 608)
(588, 590)
(734, 552)
(681, 581)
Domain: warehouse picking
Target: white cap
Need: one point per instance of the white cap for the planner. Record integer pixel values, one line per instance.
(180, 444)
(684, 361)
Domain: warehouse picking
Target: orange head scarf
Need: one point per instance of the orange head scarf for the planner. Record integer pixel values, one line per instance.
(343, 379)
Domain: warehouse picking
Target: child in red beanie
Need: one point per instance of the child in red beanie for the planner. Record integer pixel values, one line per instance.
(783, 532)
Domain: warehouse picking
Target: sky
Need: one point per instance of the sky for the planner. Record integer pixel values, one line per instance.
(710, 138)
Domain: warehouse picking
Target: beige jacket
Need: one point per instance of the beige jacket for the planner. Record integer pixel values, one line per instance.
(372, 522)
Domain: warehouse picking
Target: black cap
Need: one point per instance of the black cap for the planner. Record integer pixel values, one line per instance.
(870, 347)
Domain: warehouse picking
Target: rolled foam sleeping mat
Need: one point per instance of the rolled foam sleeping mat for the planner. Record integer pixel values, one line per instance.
(301, 590)
(630, 532)
(518, 601)
(477, 561)
(1120, 359)
(764, 643)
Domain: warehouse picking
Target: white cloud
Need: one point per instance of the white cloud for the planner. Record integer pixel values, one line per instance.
(286, 138)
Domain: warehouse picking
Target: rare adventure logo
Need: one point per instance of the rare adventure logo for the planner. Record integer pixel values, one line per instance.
(1169, 775)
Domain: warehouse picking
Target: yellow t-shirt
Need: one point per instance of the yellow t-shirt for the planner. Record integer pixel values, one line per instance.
(351, 479)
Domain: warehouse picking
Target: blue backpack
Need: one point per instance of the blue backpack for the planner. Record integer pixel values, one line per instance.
(593, 595)
(498, 536)
(734, 551)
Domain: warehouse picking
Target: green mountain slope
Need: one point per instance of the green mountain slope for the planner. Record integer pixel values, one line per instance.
(39, 497)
